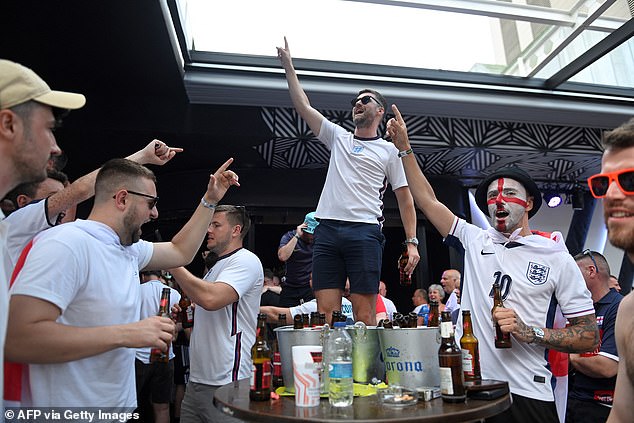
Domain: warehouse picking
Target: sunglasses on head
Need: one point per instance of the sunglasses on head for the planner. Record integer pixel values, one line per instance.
(600, 183)
(365, 100)
(589, 253)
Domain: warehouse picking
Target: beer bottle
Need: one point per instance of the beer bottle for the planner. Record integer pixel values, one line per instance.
(404, 278)
(281, 320)
(278, 380)
(261, 369)
(314, 319)
(322, 319)
(305, 320)
(336, 317)
(432, 320)
(186, 316)
(298, 321)
(450, 363)
(470, 351)
(502, 339)
(413, 319)
(397, 319)
(156, 355)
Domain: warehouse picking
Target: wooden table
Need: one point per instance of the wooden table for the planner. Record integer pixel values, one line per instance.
(233, 399)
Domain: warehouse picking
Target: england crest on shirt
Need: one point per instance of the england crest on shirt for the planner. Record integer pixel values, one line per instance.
(537, 273)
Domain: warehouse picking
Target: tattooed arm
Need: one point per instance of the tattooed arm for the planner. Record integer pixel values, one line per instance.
(581, 335)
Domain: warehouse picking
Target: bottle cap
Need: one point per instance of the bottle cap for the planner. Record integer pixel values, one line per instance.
(340, 324)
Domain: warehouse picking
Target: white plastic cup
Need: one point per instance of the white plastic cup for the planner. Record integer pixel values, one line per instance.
(306, 374)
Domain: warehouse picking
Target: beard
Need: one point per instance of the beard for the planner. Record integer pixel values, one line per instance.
(132, 232)
(621, 236)
(362, 120)
(27, 168)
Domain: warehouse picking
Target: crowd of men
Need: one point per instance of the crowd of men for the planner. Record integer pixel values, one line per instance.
(70, 330)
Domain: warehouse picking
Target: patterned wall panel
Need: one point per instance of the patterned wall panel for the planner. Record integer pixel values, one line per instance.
(465, 148)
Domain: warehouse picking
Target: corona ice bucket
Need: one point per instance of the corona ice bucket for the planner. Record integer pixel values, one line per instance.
(411, 356)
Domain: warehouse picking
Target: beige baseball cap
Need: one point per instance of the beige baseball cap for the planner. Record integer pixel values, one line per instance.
(19, 84)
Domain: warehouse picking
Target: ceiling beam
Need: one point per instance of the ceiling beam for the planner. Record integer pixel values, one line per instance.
(501, 10)
(603, 47)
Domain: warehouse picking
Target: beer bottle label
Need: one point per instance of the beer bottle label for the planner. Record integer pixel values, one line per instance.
(467, 362)
(277, 364)
(446, 382)
(446, 329)
(260, 376)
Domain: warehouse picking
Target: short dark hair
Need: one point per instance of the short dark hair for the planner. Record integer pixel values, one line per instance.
(377, 95)
(117, 174)
(619, 138)
(603, 267)
(236, 215)
(29, 188)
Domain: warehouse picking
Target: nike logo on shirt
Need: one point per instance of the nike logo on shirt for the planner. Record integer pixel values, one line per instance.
(486, 253)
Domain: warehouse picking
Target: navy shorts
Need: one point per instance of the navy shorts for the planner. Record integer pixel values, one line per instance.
(347, 249)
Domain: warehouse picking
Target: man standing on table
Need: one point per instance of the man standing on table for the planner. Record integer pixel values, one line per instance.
(348, 241)
(535, 272)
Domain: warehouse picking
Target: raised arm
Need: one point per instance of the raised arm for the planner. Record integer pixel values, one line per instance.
(299, 98)
(156, 152)
(183, 247)
(210, 296)
(35, 336)
(422, 192)
(286, 251)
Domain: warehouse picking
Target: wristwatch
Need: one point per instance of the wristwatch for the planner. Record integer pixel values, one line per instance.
(539, 335)
(413, 240)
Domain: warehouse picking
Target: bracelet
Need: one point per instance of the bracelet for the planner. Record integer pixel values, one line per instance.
(405, 153)
(207, 204)
(296, 236)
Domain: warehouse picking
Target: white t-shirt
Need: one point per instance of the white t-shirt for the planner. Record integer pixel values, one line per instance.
(21, 227)
(4, 295)
(150, 293)
(82, 268)
(534, 277)
(221, 341)
(359, 171)
(452, 302)
(390, 308)
(311, 306)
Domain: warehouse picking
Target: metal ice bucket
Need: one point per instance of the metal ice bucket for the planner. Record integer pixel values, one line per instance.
(411, 356)
(286, 338)
(367, 363)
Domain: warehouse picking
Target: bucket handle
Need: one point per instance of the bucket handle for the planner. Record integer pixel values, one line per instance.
(360, 332)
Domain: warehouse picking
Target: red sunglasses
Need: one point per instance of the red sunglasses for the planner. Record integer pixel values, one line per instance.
(600, 183)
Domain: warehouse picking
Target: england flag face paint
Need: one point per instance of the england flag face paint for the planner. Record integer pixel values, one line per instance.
(507, 200)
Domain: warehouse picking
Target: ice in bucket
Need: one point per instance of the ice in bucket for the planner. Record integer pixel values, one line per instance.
(306, 374)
